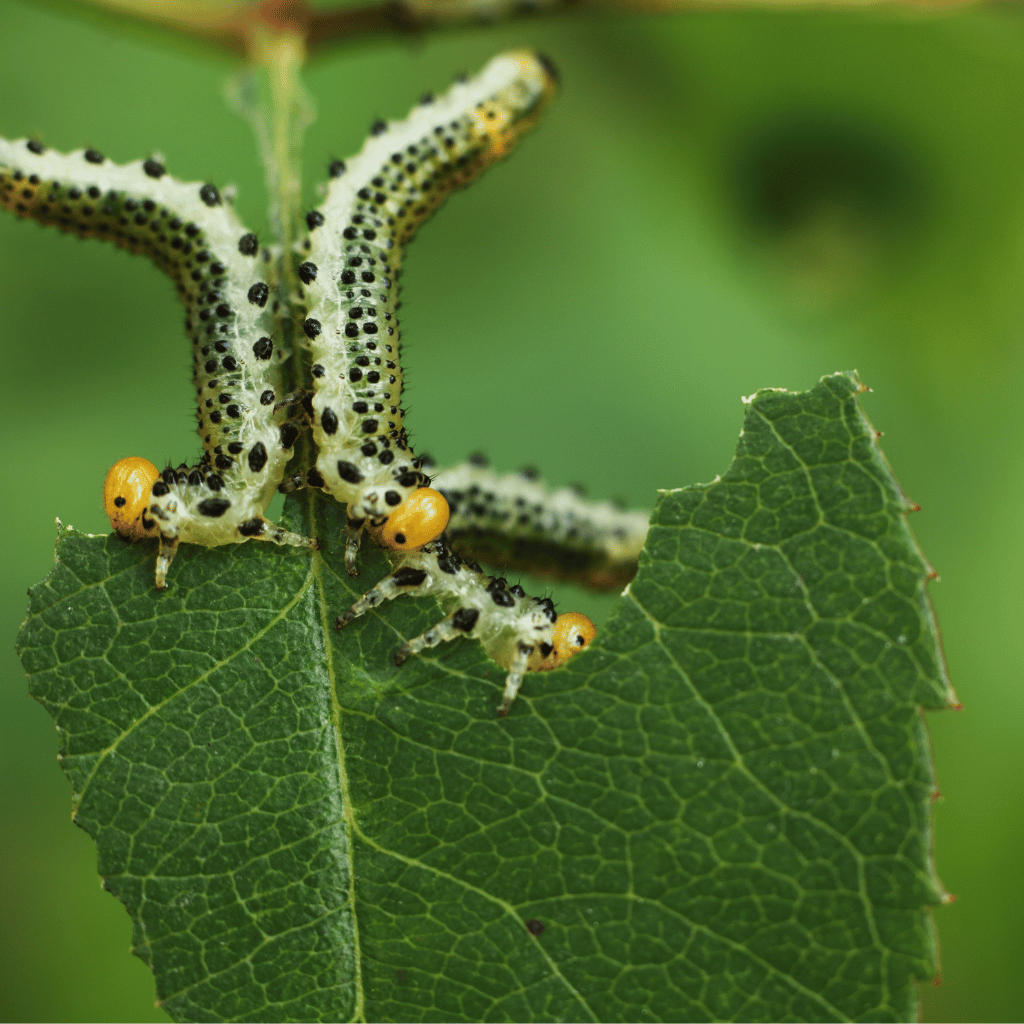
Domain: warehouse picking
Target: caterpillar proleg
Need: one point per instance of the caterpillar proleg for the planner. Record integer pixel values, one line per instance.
(375, 203)
(515, 521)
(521, 633)
(226, 286)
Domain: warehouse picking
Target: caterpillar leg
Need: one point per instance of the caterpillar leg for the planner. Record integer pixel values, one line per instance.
(259, 528)
(168, 549)
(256, 528)
(402, 581)
(460, 623)
(516, 670)
(353, 538)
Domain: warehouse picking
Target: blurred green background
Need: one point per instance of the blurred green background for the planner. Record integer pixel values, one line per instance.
(717, 203)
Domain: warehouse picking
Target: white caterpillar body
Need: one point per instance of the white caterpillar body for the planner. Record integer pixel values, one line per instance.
(227, 290)
(515, 521)
(519, 632)
(374, 206)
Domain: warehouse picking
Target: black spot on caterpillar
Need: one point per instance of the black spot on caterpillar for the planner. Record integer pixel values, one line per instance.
(375, 203)
(516, 522)
(187, 231)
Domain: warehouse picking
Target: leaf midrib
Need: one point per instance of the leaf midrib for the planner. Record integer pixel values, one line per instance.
(348, 818)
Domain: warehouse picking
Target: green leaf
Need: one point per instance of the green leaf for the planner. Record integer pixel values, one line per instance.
(720, 811)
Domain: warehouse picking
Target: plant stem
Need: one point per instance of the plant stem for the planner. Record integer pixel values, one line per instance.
(281, 58)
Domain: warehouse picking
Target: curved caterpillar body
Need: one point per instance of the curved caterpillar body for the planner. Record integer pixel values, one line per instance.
(225, 285)
(375, 204)
(519, 632)
(515, 521)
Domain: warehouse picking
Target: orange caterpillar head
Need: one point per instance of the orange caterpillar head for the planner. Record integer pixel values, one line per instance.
(573, 633)
(420, 519)
(126, 497)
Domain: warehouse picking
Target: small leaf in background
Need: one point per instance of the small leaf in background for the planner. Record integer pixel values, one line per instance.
(719, 812)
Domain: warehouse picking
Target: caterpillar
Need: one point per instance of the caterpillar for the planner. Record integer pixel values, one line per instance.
(514, 521)
(226, 285)
(375, 203)
(519, 632)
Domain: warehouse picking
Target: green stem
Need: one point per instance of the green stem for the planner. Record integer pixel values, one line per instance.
(281, 58)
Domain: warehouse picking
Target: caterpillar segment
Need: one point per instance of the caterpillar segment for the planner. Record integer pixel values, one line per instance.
(515, 521)
(375, 204)
(226, 285)
(521, 633)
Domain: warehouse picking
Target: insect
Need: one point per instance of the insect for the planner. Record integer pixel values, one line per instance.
(515, 521)
(521, 633)
(375, 203)
(226, 286)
